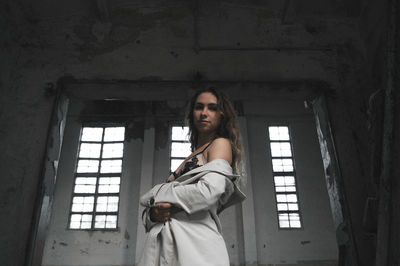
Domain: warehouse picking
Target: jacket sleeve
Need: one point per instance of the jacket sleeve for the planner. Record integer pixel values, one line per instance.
(193, 197)
(147, 222)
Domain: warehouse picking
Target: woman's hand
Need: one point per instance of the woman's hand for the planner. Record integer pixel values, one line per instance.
(161, 212)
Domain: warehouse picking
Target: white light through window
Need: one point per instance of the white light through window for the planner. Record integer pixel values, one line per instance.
(284, 177)
(96, 191)
(180, 146)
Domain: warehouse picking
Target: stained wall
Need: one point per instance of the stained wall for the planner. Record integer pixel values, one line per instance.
(339, 43)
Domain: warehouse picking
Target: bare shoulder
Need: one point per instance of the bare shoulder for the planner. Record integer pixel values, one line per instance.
(221, 143)
(220, 149)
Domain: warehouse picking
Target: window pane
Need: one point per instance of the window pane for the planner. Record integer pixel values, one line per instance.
(295, 224)
(278, 133)
(76, 217)
(290, 189)
(86, 180)
(107, 204)
(281, 198)
(114, 150)
(79, 221)
(106, 221)
(82, 204)
(285, 189)
(294, 219)
(180, 133)
(291, 197)
(285, 186)
(289, 180)
(100, 221)
(114, 134)
(92, 134)
(109, 185)
(282, 165)
(282, 207)
(280, 189)
(100, 150)
(111, 221)
(175, 164)
(111, 166)
(284, 220)
(279, 180)
(179, 149)
(85, 185)
(75, 222)
(88, 166)
(89, 150)
(86, 222)
(281, 149)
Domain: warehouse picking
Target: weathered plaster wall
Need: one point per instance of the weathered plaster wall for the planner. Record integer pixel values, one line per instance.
(43, 41)
(380, 31)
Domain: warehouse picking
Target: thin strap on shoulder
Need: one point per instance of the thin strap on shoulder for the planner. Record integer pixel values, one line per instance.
(208, 145)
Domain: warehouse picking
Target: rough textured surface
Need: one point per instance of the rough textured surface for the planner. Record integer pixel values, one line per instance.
(339, 42)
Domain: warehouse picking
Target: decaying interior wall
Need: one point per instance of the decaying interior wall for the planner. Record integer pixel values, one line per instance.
(342, 43)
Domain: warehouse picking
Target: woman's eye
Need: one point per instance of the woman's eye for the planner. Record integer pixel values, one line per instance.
(198, 107)
(213, 108)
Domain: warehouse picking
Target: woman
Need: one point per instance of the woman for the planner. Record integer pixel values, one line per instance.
(181, 215)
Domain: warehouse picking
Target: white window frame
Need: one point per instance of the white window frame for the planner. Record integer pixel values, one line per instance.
(98, 176)
(172, 141)
(285, 182)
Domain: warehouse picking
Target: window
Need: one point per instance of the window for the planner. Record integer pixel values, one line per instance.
(180, 146)
(96, 189)
(284, 177)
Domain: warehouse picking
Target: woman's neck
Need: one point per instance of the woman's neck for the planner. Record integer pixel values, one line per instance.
(202, 139)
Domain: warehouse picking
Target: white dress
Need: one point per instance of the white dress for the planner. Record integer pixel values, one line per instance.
(192, 236)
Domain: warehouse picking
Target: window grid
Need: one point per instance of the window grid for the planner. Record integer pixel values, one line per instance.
(284, 175)
(180, 145)
(95, 197)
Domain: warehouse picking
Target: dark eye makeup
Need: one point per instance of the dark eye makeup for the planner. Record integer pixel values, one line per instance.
(212, 106)
(198, 106)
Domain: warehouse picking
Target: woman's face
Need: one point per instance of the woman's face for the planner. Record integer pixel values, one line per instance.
(206, 116)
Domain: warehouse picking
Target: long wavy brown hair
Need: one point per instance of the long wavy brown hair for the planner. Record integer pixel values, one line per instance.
(228, 127)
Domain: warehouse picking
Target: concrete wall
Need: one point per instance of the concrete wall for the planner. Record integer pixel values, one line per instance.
(43, 41)
(314, 243)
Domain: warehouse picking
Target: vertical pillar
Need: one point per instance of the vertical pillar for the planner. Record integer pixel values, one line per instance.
(146, 180)
(249, 224)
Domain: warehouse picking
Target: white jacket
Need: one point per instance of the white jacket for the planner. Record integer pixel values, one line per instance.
(193, 236)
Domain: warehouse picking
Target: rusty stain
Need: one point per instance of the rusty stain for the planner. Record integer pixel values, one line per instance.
(125, 27)
(126, 235)
(174, 54)
(162, 134)
(104, 241)
(63, 244)
(305, 242)
(135, 130)
(84, 251)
